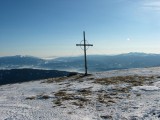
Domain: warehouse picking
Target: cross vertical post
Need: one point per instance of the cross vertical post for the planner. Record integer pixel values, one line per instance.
(85, 57)
(85, 49)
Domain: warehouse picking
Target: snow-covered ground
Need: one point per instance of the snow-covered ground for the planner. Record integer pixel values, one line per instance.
(132, 94)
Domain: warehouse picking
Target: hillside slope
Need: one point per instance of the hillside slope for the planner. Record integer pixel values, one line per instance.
(24, 75)
(131, 94)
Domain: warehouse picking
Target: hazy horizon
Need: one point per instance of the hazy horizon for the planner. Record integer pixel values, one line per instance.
(53, 57)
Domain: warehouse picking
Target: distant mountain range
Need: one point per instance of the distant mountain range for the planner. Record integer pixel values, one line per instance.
(18, 61)
(96, 63)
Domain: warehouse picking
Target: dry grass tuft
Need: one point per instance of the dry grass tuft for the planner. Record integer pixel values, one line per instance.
(52, 80)
(60, 93)
(60, 79)
(64, 96)
(57, 102)
(105, 98)
(133, 80)
(31, 98)
(79, 104)
(106, 117)
(85, 91)
(42, 96)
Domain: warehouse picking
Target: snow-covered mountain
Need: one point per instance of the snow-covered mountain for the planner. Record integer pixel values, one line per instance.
(130, 94)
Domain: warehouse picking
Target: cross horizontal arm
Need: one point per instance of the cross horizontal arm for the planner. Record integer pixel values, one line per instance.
(89, 44)
(83, 45)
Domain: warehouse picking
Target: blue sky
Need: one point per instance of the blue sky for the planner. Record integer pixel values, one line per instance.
(46, 28)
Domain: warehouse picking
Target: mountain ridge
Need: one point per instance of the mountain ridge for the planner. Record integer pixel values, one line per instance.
(96, 63)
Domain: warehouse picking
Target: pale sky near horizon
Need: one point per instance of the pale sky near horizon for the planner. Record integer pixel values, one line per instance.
(46, 28)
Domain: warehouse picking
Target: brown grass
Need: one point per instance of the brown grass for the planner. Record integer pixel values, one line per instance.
(60, 79)
(41, 96)
(60, 93)
(104, 98)
(57, 102)
(133, 80)
(64, 96)
(77, 103)
(52, 80)
(85, 91)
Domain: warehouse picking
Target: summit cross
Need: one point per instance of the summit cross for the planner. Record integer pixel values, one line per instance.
(85, 49)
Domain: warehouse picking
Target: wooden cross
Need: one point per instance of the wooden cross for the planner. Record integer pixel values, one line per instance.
(85, 57)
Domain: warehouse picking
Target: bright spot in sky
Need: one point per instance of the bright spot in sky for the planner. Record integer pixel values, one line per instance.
(128, 39)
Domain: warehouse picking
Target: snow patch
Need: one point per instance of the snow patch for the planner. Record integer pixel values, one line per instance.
(145, 88)
(157, 84)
